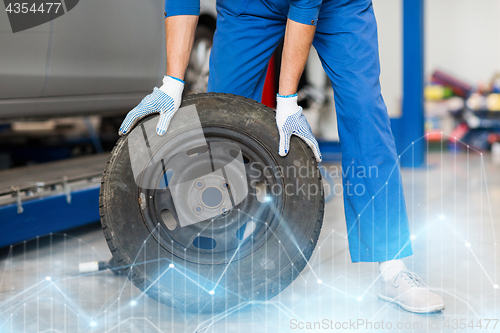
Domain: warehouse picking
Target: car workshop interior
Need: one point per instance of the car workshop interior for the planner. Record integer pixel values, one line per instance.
(204, 225)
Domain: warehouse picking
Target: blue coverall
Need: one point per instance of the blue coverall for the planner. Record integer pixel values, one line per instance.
(247, 34)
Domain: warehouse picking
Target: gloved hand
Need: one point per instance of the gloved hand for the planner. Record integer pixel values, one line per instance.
(291, 121)
(165, 100)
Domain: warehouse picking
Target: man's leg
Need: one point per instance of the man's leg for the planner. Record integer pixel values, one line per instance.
(374, 203)
(243, 44)
(377, 223)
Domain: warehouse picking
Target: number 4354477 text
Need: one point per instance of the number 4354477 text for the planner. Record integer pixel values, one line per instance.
(24, 8)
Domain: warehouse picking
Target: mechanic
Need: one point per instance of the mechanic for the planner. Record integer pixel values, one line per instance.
(344, 33)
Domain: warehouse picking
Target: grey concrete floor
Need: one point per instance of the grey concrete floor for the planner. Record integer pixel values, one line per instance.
(454, 210)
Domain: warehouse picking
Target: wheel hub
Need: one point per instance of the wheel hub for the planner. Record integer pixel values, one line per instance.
(208, 197)
(227, 230)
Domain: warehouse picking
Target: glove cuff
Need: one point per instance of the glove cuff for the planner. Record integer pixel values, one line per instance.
(173, 87)
(286, 105)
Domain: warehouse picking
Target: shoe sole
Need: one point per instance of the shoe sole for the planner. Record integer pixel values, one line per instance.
(429, 309)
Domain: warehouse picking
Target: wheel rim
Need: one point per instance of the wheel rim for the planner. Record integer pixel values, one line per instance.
(236, 232)
(197, 71)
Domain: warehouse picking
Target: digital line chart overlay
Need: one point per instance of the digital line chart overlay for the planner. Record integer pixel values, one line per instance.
(452, 223)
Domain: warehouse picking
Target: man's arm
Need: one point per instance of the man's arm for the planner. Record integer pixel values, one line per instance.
(298, 40)
(289, 117)
(180, 29)
(180, 32)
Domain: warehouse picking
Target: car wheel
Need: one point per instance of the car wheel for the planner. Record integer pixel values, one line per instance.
(248, 252)
(197, 71)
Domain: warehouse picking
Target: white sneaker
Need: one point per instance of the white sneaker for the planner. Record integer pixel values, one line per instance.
(409, 291)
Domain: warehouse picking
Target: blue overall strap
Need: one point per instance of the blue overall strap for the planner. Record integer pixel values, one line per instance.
(304, 11)
(184, 7)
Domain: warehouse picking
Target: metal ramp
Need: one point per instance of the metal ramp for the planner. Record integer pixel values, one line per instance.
(47, 198)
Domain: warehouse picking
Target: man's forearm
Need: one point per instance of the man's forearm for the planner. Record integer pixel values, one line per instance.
(298, 40)
(180, 32)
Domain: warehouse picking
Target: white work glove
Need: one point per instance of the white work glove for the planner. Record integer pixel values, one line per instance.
(165, 100)
(291, 121)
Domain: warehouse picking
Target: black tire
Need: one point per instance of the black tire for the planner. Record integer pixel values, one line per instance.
(275, 258)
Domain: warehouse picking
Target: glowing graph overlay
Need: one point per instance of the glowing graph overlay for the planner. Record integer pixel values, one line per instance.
(453, 206)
